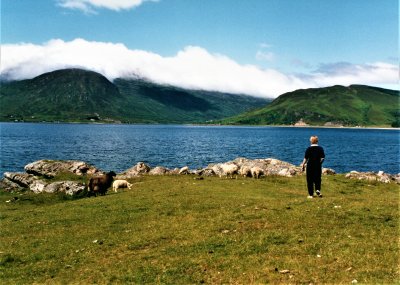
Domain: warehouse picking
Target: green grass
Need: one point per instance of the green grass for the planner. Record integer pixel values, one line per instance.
(177, 230)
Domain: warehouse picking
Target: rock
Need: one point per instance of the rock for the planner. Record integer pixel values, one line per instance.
(216, 169)
(174, 171)
(396, 178)
(21, 179)
(328, 171)
(51, 168)
(138, 169)
(284, 172)
(37, 186)
(371, 176)
(184, 170)
(67, 187)
(206, 172)
(268, 166)
(159, 170)
(9, 186)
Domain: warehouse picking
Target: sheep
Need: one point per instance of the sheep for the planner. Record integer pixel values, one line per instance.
(229, 170)
(245, 171)
(256, 172)
(100, 184)
(121, 184)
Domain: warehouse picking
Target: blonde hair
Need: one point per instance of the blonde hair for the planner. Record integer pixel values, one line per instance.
(314, 139)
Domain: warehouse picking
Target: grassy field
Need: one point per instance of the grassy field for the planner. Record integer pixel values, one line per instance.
(178, 230)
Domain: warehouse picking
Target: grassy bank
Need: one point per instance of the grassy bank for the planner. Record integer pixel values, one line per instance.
(177, 230)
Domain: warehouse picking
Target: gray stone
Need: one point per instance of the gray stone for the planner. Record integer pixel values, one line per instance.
(372, 176)
(159, 170)
(67, 187)
(184, 170)
(136, 170)
(21, 179)
(38, 186)
(51, 168)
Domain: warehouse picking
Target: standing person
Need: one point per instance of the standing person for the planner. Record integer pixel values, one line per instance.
(313, 157)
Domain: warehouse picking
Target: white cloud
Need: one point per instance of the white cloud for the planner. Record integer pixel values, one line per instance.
(344, 73)
(89, 6)
(193, 67)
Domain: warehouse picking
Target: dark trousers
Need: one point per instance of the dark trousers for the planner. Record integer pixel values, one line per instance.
(313, 179)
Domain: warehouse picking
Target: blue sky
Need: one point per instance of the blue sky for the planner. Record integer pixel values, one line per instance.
(258, 47)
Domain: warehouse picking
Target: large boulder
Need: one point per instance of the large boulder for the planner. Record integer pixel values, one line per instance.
(267, 166)
(67, 187)
(51, 168)
(328, 171)
(184, 170)
(159, 170)
(21, 179)
(372, 176)
(136, 170)
(38, 186)
(10, 186)
(18, 181)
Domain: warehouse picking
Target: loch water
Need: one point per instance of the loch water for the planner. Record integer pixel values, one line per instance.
(118, 147)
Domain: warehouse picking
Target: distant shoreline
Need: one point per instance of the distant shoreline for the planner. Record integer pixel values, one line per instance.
(211, 125)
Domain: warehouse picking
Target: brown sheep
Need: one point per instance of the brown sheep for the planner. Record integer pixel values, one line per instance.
(100, 184)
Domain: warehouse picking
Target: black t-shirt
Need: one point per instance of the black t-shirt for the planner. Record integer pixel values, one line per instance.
(313, 155)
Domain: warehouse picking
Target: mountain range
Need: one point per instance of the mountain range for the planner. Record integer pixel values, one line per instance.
(76, 95)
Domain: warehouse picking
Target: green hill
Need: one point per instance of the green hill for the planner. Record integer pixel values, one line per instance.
(75, 95)
(356, 105)
(62, 95)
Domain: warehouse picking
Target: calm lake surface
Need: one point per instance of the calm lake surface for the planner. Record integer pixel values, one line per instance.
(118, 147)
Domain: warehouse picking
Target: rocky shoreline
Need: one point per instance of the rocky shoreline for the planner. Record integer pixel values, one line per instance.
(38, 176)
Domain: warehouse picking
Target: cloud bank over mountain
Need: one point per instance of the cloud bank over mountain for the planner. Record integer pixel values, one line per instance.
(192, 67)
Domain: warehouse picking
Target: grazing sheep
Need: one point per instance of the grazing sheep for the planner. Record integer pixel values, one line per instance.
(121, 184)
(256, 172)
(100, 184)
(245, 171)
(229, 170)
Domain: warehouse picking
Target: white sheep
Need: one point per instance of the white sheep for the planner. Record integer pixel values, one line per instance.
(229, 170)
(256, 172)
(245, 171)
(121, 184)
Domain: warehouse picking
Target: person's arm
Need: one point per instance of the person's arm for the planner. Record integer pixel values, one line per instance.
(303, 164)
(322, 155)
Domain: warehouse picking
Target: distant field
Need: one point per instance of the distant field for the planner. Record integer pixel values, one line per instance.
(177, 230)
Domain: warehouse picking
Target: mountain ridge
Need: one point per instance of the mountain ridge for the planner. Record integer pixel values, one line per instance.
(76, 95)
(355, 105)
